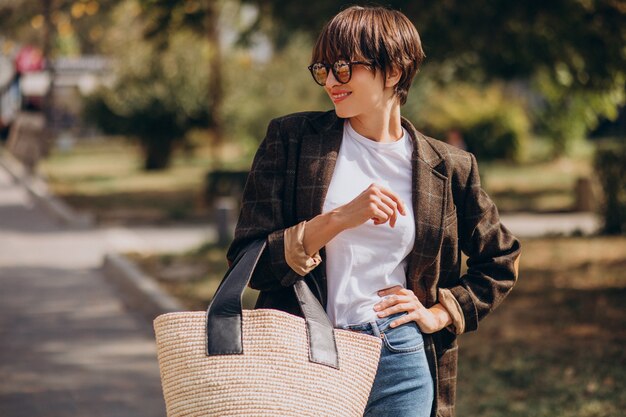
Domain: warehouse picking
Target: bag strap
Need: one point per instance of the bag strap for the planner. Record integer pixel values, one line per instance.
(224, 321)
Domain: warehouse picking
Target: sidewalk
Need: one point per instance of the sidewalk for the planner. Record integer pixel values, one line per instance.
(526, 225)
(67, 345)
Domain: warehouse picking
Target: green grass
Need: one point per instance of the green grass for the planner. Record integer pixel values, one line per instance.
(555, 347)
(106, 178)
(192, 277)
(539, 186)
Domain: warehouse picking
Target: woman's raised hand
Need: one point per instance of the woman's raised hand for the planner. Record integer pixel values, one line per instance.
(376, 203)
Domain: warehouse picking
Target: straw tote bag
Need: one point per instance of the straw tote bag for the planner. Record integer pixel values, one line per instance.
(264, 362)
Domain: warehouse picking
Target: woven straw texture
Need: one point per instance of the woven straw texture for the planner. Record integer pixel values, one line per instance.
(273, 377)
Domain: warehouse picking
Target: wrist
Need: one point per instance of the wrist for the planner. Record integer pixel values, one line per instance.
(336, 221)
(441, 315)
(320, 230)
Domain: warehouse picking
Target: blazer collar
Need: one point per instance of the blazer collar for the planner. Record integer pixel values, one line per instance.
(330, 126)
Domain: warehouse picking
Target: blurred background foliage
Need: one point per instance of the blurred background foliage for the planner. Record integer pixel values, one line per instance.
(492, 122)
(535, 89)
(73, 26)
(559, 65)
(156, 96)
(519, 82)
(161, 88)
(260, 91)
(571, 51)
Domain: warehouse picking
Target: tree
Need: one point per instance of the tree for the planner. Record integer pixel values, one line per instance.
(59, 23)
(200, 16)
(571, 50)
(157, 96)
(496, 38)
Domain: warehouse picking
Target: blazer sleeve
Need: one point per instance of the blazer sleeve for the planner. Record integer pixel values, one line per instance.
(493, 254)
(262, 216)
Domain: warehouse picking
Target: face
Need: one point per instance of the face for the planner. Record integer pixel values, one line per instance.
(364, 94)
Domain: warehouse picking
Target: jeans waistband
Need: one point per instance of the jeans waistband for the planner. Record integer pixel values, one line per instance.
(374, 327)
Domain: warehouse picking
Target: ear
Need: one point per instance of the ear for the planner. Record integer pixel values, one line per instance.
(393, 77)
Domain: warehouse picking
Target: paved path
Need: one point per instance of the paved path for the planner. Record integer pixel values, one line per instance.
(534, 225)
(67, 345)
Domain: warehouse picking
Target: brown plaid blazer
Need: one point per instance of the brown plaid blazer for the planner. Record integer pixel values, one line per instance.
(288, 182)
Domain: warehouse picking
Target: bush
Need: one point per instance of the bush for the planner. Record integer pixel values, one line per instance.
(493, 124)
(565, 115)
(610, 164)
(257, 92)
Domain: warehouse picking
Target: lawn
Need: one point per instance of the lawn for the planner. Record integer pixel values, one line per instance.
(555, 348)
(539, 185)
(192, 277)
(105, 178)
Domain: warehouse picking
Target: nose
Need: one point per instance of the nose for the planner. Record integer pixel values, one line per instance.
(331, 80)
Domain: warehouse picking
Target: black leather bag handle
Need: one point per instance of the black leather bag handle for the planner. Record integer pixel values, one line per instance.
(224, 322)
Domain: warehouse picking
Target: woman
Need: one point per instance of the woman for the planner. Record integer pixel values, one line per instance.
(385, 212)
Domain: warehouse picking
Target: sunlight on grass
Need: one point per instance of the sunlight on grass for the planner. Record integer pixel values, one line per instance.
(542, 186)
(115, 165)
(192, 277)
(106, 177)
(551, 349)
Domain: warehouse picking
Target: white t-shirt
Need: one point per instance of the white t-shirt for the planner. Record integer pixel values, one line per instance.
(365, 259)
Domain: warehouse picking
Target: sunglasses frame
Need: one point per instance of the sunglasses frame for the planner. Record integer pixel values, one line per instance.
(334, 70)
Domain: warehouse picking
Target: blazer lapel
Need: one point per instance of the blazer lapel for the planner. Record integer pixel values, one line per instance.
(429, 203)
(318, 156)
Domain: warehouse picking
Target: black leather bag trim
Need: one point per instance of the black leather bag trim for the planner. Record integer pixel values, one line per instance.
(224, 318)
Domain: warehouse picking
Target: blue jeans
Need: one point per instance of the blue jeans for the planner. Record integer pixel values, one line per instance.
(403, 385)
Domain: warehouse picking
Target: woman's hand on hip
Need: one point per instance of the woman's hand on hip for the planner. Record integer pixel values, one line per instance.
(376, 203)
(398, 299)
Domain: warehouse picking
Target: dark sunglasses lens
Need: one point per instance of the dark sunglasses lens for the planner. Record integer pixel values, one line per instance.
(320, 73)
(342, 71)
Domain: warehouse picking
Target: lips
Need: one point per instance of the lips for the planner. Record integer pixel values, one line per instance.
(339, 96)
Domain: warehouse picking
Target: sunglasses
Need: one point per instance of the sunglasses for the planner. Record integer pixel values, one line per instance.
(342, 70)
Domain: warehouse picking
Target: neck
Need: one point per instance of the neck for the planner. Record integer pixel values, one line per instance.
(379, 126)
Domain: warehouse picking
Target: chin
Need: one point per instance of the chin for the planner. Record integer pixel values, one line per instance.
(343, 113)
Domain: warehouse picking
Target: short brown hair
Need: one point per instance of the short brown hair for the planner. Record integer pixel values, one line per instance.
(382, 36)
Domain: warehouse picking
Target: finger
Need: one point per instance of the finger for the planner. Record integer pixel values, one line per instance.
(397, 308)
(382, 213)
(380, 217)
(392, 300)
(386, 302)
(410, 295)
(396, 198)
(408, 292)
(402, 320)
(390, 199)
(392, 205)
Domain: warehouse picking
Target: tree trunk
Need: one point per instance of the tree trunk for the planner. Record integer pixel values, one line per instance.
(157, 153)
(216, 90)
(46, 138)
